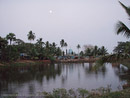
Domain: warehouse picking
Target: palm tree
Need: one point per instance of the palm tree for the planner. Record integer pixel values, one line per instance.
(58, 51)
(62, 42)
(40, 42)
(78, 47)
(88, 52)
(54, 44)
(121, 27)
(127, 9)
(95, 50)
(65, 44)
(53, 48)
(11, 37)
(31, 36)
(103, 51)
(47, 44)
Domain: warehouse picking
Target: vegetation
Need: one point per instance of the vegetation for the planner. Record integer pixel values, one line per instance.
(96, 51)
(78, 47)
(122, 50)
(83, 93)
(121, 27)
(19, 49)
(31, 36)
(40, 50)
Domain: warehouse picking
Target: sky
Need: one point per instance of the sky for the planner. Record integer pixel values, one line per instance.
(76, 21)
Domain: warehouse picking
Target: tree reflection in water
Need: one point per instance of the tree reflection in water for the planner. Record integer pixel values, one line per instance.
(35, 78)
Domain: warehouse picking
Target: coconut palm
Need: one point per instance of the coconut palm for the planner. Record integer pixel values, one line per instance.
(31, 36)
(40, 42)
(54, 44)
(65, 44)
(47, 44)
(62, 42)
(103, 51)
(127, 9)
(95, 50)
(78, 47)
(11, 37)
(121, 27)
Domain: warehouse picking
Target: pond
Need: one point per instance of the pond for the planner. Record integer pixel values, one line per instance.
(25, 80)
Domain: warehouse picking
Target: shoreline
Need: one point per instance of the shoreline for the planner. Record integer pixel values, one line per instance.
(33, 62)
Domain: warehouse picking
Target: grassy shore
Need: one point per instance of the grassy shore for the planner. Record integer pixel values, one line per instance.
(83, 93)
(79, 93)
(34, 62)
(24, 63)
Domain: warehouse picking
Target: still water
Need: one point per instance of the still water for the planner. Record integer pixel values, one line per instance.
(38, 78)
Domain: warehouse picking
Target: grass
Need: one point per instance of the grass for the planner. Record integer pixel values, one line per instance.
(22, 63)
(79, 93)
(83, 93)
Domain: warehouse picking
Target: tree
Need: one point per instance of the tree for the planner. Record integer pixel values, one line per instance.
(95, 50)
(3, 43)
(19, 41)
(78, 47)
(47, 44)
(103, 51)
(122, 48)
(11, 37)
(54, 44)
(40, 42)
(31, 36)
(82, 53)
(58, 51)
(65, 44)
(62, 43)
(88, 52)
(121, 27)
(53, 48)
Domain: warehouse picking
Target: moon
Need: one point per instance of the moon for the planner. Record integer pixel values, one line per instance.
(50, 11)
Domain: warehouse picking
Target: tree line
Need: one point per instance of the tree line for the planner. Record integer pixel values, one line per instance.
(12, 49)
(39, 50)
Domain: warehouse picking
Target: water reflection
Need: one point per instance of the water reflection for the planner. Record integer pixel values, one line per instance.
(33, 79)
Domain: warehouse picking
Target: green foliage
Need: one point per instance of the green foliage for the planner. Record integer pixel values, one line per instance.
(11, 37)
(80, 93)
(127, 9)
(31, 35)
(83, 93)
(62, 42)
(121, 28)
(3, 43)
(96, 51)
(6, 55)
(122, 48)
(82, 53)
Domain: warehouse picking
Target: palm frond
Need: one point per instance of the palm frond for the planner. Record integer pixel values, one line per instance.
(122, 29)
(127, 9)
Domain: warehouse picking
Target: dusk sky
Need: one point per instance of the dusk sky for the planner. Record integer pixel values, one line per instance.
(76, 21)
